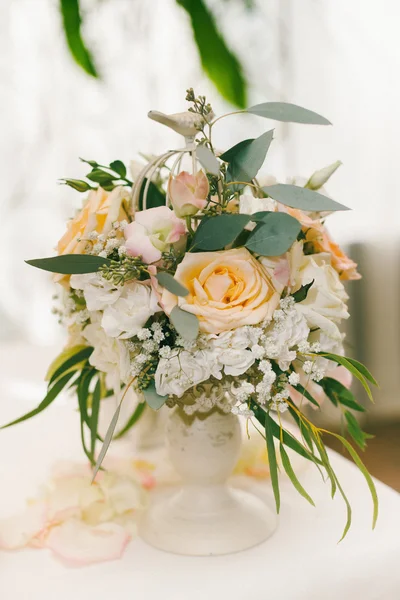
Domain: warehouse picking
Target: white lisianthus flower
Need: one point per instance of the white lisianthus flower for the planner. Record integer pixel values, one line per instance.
(110, 356)
(231, 351)
(128, 314)
(97, 291)
(248, 204)
(325, 304)
(182, 371)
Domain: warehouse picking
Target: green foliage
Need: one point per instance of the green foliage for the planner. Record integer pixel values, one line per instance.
(273, 466)
(354, 429)
(72, 27)
(77, 184)
(69, 264)
(289, 113)
(302, 390)
(274, 235)
(154, 198)
(214, 233)
(246, 158)
(300, 197)
(118, 167)
(137, 413)
(291, 474)
(107, 440)
(186, 324)
(302, 292)
(124, 270)
(154, 400)
(73, 362)
(207, 159)
(220, 64)
(171, 284)
(339, 394)
(357, 369)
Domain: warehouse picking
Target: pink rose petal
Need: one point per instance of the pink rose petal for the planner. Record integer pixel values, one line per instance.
(20, 530)
(77, 544)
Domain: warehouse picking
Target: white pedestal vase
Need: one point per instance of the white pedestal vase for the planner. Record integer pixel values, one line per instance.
(205, 516)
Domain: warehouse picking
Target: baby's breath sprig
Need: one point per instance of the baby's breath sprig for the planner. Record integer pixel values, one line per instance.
(124, 270)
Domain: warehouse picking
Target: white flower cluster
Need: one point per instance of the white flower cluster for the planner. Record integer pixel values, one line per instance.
(103, 245)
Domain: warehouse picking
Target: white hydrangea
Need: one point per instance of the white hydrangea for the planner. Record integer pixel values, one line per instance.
(230, 350)
(285, 334)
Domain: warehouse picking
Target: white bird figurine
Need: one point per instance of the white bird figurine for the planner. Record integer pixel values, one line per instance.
(185, 123)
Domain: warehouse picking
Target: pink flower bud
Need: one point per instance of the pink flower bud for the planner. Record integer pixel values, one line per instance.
(188, 193)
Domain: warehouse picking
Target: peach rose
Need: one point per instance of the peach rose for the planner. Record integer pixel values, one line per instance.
(322, 242)
(188, 193)
(227, 289)
(100, 210)
(98, 213)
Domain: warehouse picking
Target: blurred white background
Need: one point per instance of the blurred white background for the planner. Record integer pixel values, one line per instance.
(338, 58)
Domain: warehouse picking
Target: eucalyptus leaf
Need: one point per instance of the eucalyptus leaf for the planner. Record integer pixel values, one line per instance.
(69, 264)
(292, 476)
(303, 198)
(186, 324)
(302, 292)
(171, 284)
(274, 235)
(51, 395)
(214, 233)
(207, 159)
(247, 159)
(154, 400)
(119, 167)
(273, 465)
(288, 113)
(229, 155)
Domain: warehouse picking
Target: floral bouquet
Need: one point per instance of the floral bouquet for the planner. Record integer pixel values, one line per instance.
(209, 275)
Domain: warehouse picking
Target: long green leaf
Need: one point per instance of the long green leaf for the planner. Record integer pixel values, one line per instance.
(274, 235)
(300, 197)
(72, 27)
(107, 440)
(348, 508)
(69, 264)
(338, 393)
(273, 465)
(50, 397)
(61, 358)
(132, 420)
(364, 471)
(289, 113)
(94, 416)
(82, 354)
(292, 476)
(350, 366)
(354, 429)
(83, 394)
(362, 369)
(302, 390)
(220, 64)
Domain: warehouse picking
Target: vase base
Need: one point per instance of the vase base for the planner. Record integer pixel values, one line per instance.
(198, 521)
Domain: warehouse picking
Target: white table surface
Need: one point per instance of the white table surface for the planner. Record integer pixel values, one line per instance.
(301, 561)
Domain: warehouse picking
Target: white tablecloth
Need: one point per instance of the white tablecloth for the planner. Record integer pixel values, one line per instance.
(301, 561)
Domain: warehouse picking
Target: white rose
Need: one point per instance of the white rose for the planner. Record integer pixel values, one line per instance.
(109, 355)
(325, 304)
(97, 291)
(129, 313)
(248, 204)
(230, 351)
(182, 371)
